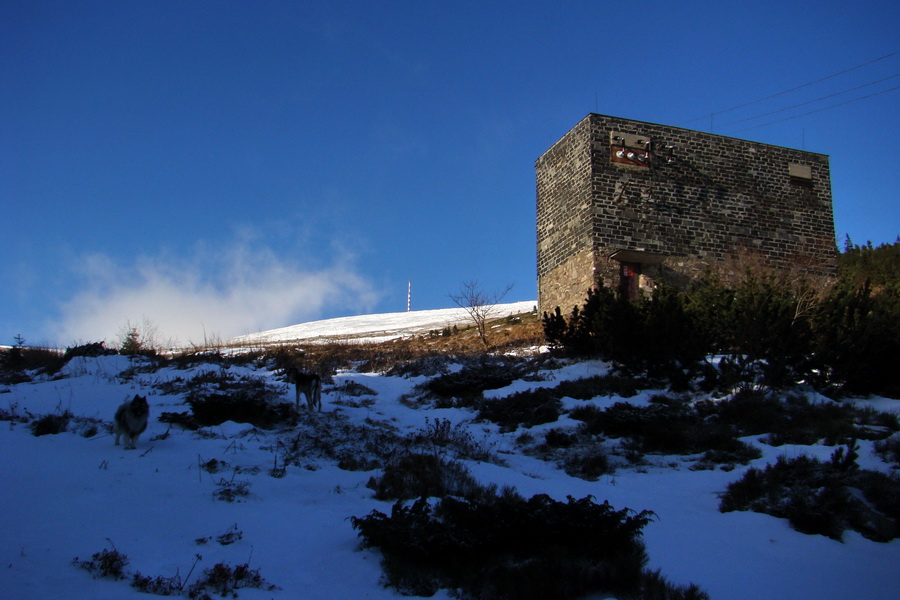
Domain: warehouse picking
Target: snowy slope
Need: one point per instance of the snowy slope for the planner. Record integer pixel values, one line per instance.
(377, 328)
(67, 496)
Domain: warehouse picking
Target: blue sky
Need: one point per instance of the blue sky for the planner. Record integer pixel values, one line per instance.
(216, 168)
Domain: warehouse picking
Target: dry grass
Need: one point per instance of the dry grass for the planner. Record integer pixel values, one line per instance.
(506, 334)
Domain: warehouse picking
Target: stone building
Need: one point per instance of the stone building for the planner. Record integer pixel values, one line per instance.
(627, 204)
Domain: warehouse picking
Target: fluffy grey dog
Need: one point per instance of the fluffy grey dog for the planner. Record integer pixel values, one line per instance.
(131, 421)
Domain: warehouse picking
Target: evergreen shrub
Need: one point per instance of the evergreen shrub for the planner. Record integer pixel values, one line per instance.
(410, 475)
(528, 408)
(504, 547)
(821, 498)
(768, 332)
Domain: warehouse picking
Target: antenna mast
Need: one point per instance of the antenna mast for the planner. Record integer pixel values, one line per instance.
(408, 294)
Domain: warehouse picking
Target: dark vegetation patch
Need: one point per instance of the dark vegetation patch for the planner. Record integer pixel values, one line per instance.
(19, 363)
(770, 330)
(55, 423)
(441, 436)
(184, 419)
(51, 424)
(465, 386)
(333, 437)
(729, 453)
(232, 490)
(796, 420)
(427, 463)
(242, 407)
(587, 461)
(222, 579)
(821, 498)
(889, 450)
(108, 563)
(613, 384)
(673, 426)
(90, 349)
(659, 428)
(231, 535)
(13, 415)
(409, 475)
(353, 389)
(219, 395)
(377, 444)
(501, 546)
(528, 408)
(429, 365)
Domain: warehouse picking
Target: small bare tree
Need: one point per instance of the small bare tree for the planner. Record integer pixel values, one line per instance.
(479, 305)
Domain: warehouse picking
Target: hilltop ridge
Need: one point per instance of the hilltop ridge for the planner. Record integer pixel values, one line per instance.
(377, 327)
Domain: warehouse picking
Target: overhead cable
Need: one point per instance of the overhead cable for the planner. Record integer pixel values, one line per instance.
(793, 89)
(817, 110)
(847, 91)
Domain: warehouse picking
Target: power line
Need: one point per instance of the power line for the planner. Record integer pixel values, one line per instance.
(817, 110)
(793, 89)
(847, 91)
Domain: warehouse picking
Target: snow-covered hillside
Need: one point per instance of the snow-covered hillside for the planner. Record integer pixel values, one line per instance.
(164, 504)
(377, 328)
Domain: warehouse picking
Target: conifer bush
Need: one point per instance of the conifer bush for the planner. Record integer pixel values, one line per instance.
(819, 498)
(19, 363)
(588, 462)
(528, 408)
(889, 449)
(857, 340)
(216, 396)
(769, 333)
(658, 428)
(657, 336)
(410, 475)
(465, 386)
(504, 547)
(241, 407)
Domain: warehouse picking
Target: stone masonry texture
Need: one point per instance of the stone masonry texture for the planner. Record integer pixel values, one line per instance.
(674, 203)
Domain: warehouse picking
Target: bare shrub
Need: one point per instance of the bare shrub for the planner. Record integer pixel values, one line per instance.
(441, 435)
(480, 305)
(106, 563)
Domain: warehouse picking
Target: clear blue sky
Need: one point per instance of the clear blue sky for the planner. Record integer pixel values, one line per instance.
(216, 168)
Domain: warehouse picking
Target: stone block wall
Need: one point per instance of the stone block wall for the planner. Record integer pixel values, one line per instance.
(564, 217)
(671, 203)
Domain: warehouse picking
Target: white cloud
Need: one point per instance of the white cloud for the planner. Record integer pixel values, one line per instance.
(208, 295)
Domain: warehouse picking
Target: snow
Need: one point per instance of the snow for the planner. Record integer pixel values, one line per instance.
(67, 496)
(380, 327)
